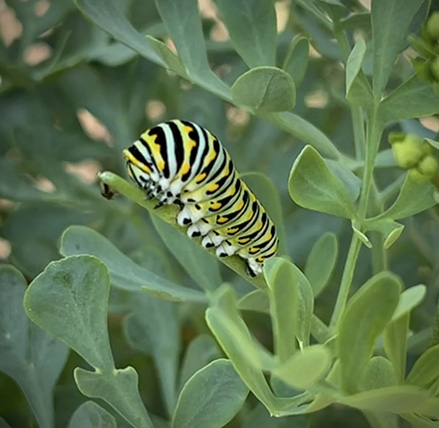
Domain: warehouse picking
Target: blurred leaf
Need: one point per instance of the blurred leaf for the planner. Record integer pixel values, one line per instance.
(296, 60)
(395, 344)
(69, 300)
(394, 399)
(313, 186)
(256, 300)
(172, 61)
(306, 367)
(211, 397)
(379, 373)
(107, 14)
(321, 262)
(153, 328)
(183, 24)
(354, 62)
(252, 28)
(91, 415)
(3, 423)
(366, 315)
(414, 197)
(268, 195)
(30, 356)
(201, 351)
(413, 98)
(409, 299)
(119, 388)
(390, 23)
(268, 89)
(125, 274)
(201, 267)
(426, 368)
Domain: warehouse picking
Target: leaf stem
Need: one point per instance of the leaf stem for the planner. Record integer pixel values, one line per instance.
(346, 281)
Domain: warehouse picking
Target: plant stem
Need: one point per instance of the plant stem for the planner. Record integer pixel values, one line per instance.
(346, 280)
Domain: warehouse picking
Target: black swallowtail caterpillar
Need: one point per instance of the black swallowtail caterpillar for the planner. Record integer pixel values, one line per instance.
(180, 162)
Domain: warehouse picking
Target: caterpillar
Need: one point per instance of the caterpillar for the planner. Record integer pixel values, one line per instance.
(180, 162)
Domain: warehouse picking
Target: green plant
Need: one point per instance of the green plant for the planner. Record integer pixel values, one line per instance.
(344, 324)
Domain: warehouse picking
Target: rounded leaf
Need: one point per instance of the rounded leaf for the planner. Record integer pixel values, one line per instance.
(267, 89)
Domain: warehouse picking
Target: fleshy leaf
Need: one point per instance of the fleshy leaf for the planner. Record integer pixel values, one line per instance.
(305, 367)
(366, 315)
(211, 397)
(395, 344)
(29, 355)
(409, 299)
(119, 388)
(152, 328)
(252, 28)
(296, 60)
(69, 300)
(91, 415)
(267, 89)
(313, 186)
(125, 274)
(426, 368)
(321, 262)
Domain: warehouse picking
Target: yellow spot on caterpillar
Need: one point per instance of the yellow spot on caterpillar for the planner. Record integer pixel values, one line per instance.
(161, 165)
(215, 206)
(130, 158)
(213, 187)
(185, 168)
(191, 144)
(233, 230)
(243, 240)
(253, 250)
(201, 177)
(222, 220)
(188, 129)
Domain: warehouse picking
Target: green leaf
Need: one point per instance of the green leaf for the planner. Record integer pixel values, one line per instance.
(91, 415)
(430, 408)
(306, 367)
(395, 344)
(266, 89)
(280, 276)
(4, 424)
(413, 98)
(108, 15)
(390, 23)
(268, 195)
(426, 368)
(30, 356)
(414, 197)
(124, 273)
(211, 397)
(379, 373)
(394, 399)
(201, 351)
(235, 339)
(391, 230)
(172, 61)
(321, 262)
(252, 29)
(198, 264)
(409, 299)
(313, 186)
(183, 23)
(153, 328)
(297, 57)
(354, 63)
(366, 316)
(69, 300)
(256, 300)
(118, 388)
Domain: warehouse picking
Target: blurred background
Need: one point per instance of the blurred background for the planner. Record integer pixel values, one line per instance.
(71, 99)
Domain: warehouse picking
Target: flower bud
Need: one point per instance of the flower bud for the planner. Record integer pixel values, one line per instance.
(428, 167)
(432, 26)
(408, 150)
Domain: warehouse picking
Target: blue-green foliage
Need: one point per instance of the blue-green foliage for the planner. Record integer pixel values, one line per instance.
(347, 315)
